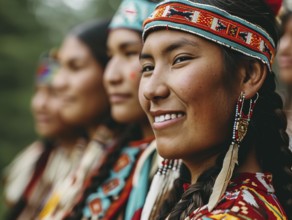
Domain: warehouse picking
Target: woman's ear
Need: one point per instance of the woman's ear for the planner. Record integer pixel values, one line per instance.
(255, 73)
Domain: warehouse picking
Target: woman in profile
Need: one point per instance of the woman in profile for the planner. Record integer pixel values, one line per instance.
(78, 84)
(29, 179)
(119, 188)
(208, 90)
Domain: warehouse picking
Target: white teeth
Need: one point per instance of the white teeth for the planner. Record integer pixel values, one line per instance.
(166, 117)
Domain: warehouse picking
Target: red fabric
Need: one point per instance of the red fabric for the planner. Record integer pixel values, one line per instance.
(186, 186)
(249, 196)
(137, 214)
(117, 205)
(275, 5)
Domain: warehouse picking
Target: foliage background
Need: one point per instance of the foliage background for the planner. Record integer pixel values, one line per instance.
(27, 28)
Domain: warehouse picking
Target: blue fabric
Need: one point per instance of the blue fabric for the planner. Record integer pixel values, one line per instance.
(139, 192)
(119, 177)
(131, 14)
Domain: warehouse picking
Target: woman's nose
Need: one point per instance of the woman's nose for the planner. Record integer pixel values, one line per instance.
(112, 73)
(155, 86)
(59, 80)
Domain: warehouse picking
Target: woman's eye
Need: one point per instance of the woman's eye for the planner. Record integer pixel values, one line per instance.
(146, 69)
(131, 53)
(76, 67)
(181, 59)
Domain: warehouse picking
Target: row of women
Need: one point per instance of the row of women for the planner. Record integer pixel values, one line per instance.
(167, 111)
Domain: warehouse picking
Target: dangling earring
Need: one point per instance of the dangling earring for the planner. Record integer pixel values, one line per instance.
(241, 119)
(231, 158)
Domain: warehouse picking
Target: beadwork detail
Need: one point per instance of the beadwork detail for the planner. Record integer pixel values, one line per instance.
(241, 119)
(214, 24)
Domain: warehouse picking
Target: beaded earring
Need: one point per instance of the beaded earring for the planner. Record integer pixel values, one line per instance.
(240, 127)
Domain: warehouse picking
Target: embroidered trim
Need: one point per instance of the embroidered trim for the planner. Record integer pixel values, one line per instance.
(213, 24)
(99, 202)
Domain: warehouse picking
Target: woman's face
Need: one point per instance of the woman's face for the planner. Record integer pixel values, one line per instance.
(188, 98)
(122, 75)
(46, 109)
(79, 84)
(285, 54)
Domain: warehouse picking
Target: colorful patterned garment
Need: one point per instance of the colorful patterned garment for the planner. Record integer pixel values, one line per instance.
(35, 172)
(111, 198)
(249, 196)
(19, 172)
(67, 190)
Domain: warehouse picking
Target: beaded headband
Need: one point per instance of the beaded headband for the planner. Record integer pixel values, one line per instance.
(213, 24)
(131, 14)
(47, 68)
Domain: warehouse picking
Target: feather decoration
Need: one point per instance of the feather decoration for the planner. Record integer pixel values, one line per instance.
(154, 191)
(222, 180)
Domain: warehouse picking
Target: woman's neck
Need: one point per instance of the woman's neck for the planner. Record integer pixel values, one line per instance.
(250, 164)
(199, 165)
(202, 163)
(69, 138)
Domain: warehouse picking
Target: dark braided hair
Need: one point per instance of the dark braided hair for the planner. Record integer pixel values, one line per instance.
(266, 130)
(131, 133)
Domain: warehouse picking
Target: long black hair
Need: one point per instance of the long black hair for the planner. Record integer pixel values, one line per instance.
(94, 34)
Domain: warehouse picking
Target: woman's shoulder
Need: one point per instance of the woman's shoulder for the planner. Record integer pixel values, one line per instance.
(25, 158)
(249, 196)
(19, 171)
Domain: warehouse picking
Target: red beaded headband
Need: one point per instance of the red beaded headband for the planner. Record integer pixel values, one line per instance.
(214, 24)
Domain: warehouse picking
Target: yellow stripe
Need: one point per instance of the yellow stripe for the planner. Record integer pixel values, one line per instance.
(272, 208)
(50, 206)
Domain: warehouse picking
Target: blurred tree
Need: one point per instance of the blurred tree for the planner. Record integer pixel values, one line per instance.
(22, 39)
(27, 28)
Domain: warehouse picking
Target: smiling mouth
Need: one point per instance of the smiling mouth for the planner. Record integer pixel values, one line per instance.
(167, 117)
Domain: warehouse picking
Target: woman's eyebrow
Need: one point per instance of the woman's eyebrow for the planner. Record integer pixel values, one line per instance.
(144, 56)
(178, 44)
(124, 45)
(173, 46)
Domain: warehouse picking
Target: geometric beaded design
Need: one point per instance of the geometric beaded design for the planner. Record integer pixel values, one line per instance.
(214, 24)
(242, 119)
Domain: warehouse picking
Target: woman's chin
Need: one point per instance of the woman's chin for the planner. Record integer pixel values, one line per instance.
(167, 152)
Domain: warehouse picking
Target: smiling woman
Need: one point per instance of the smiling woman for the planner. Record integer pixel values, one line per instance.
(29, 178)
(209, 94)
(118, 189)
(84, 105)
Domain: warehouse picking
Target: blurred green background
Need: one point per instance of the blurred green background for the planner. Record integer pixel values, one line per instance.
(27, 28)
